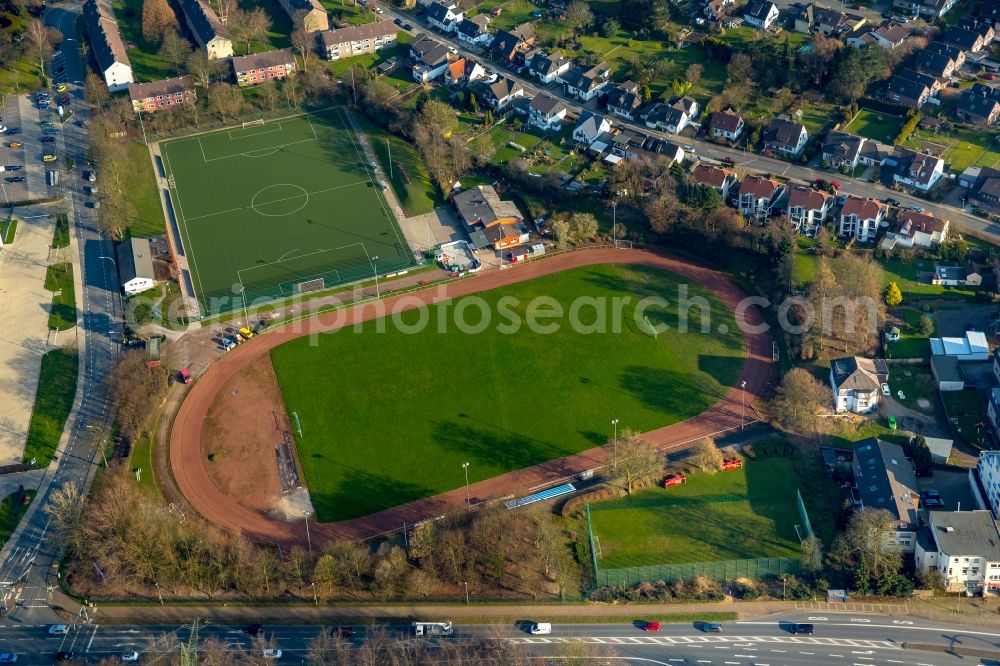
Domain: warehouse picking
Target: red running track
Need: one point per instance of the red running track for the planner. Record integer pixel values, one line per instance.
(189, 466)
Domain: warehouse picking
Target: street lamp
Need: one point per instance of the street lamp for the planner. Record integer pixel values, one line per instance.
(614, 423)
(308, 538)
(243, 295)
(378, 294)
(100, 435)
(466, 583)
(614, 222)
(468, 499)
(743, 406)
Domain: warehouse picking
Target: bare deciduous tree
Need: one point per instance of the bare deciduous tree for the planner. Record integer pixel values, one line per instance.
(632, 459)
(706, 456)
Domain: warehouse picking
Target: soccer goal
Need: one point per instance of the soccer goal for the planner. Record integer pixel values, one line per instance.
(250, 123)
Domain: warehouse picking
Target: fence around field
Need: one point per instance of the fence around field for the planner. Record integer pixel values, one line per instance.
(719, 570)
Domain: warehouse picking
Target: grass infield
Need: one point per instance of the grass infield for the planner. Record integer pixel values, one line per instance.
(390, 417)
(267, 207)
(742, 514)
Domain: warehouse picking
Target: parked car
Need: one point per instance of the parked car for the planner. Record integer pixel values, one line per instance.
(14, 144)
(49, 157)
(18, 167)
(885, 389)
(130, 656)
(398, 21)
(892, 202)
(3, 129)
(15, 179)
(407, 26)
(47, 139)
(892, 423)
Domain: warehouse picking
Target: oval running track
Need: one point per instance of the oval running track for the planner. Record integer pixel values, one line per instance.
(193, 479)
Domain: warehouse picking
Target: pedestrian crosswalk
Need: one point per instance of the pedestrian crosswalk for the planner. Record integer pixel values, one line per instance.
(708, 640)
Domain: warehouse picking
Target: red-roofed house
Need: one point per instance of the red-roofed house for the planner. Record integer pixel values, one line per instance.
(758, 195)
(860, 218)
(720, 180)
(807, 207)
(914, 229)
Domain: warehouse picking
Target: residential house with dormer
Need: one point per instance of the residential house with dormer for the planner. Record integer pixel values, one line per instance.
(857, 383)
(585, 83)
(885, 479)
(590, 127)
(475, 31)
(842, 149)
(624, 100)
(673, 117)
(917, 170)
(445, 16)
(915, 229)
(786, 137)
(546, 112)
(509, 46)
(548, 67)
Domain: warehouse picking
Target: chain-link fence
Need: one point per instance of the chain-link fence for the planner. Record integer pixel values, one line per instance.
(719, 570)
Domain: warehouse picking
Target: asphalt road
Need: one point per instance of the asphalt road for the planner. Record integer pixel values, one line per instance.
(842, 640)
(28, 559)
(707, 149)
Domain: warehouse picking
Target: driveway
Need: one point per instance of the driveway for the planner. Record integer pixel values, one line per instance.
(956, 320)
(910, 420)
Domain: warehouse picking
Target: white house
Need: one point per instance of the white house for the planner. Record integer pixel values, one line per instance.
(590, 127)
(785, 136)
(624, 100)
(673, 118)
(761, 14)
(725, 125)
(857, 383)
(586, 83)
(502, 92)
(988, 475)
(917, 170)
(916, 229)
(430, 58)
(107, 45)
(964, 546)
(885, 479)
(475, 31)
(860, 217)
(135, 266)
(808, 208)
(719, 179)
(546, 111)
(444, 16)
(758, 196)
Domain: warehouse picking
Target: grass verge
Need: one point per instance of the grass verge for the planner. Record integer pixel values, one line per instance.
(53, 402)
(10, 231)
(59, 280)
(11, 512)
(60, 239)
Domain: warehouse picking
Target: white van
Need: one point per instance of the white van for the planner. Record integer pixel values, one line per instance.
(541, 629)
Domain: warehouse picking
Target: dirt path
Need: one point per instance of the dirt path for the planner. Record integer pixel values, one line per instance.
(194, 480)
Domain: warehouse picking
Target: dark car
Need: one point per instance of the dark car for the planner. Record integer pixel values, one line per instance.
(342, 632)
(253, 630)
(63, 655)
(64, 99)
(47, 139)
(892, 202)
(398, 21)
(13, 130)
(18, 167)
(407, 26)
(15, 179)
(802, 628)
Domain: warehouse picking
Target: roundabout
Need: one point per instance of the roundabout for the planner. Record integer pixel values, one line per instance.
(723, 407)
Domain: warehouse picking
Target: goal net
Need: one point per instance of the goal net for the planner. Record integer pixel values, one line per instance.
(250, 123)
(310, 285)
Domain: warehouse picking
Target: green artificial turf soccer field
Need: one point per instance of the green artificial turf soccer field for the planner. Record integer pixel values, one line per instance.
(742, 514)
(270, 206)
(390, 417)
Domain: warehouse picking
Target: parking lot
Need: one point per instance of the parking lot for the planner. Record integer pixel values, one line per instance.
(23, 147)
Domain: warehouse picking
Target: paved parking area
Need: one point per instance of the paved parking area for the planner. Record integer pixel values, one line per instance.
(427, 231)
(954, 489)
(10, 116)
(24, 311)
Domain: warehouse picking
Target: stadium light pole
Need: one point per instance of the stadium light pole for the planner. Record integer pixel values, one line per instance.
(743, 406)
(614, 423)
(243, 295)
(378, 294)
(468, 499)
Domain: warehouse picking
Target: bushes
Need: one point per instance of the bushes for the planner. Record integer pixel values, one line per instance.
(907, 129)
(698, 589)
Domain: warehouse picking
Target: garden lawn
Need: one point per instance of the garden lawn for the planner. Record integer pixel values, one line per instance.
(59, 280)
(963, 147)
(875, 125)
(389, 418)
(967, 409)
(906, 276)
(53, 401)
(742, 514)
